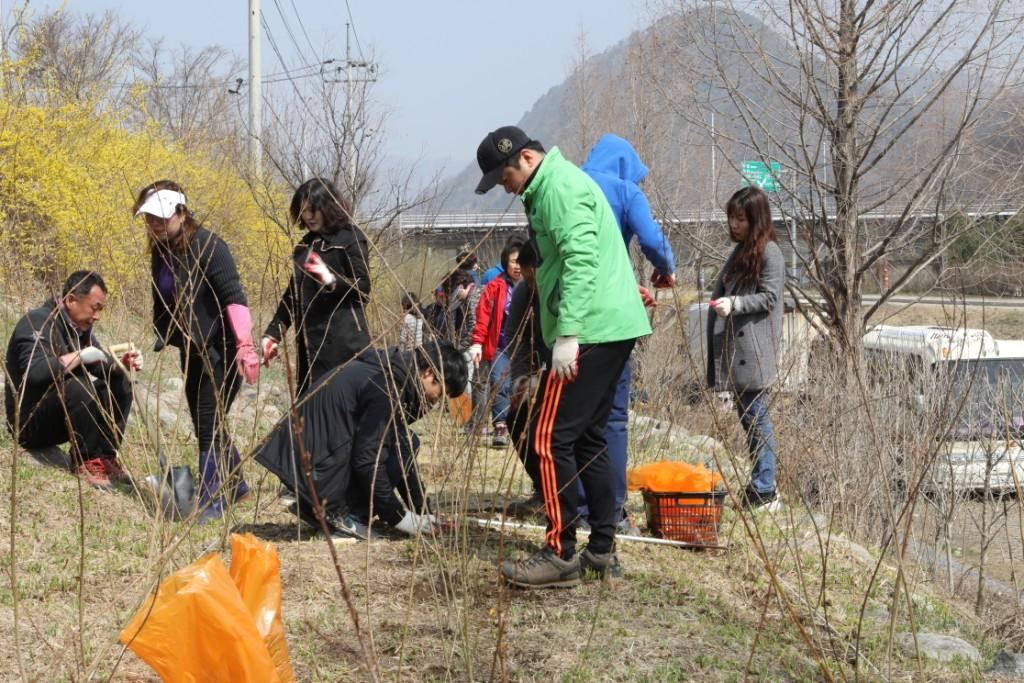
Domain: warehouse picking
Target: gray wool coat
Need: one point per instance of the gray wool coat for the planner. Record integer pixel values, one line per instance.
(744, 347)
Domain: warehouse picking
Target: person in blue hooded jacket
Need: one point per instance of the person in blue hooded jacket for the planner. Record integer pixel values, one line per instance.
(616, 167)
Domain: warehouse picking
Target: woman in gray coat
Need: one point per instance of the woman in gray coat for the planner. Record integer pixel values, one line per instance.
(745, 331)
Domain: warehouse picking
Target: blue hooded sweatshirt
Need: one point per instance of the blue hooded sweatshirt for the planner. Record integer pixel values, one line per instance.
(616, 168)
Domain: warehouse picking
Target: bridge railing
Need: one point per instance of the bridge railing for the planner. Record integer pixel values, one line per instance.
(453, 222)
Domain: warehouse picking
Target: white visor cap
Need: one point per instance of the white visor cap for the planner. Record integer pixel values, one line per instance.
(162, 203)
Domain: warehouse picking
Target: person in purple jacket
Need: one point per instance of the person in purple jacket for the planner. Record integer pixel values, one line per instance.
(616, 167)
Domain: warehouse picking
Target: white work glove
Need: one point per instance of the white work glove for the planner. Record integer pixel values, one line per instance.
(270, 350)
(316, 267)
(413, 523)
(476, 352)
(132, 360)
(723, 306)
(564, 357)
(92, 354)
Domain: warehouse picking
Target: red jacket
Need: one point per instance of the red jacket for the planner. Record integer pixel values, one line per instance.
(490, 315)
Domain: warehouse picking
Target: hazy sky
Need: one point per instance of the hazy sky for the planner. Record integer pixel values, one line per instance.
(450, 70)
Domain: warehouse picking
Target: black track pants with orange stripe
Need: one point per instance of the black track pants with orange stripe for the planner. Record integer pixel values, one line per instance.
(568, 439)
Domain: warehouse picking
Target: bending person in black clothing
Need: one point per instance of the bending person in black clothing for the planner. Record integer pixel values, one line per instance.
(355, 429)
(63, 387)
(329, 287)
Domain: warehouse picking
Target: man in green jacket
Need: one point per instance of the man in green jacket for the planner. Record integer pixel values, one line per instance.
(591, 315)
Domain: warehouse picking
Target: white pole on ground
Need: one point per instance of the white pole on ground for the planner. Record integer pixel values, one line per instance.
(523, 526)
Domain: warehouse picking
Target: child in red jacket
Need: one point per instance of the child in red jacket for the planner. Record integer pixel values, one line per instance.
(488, 349)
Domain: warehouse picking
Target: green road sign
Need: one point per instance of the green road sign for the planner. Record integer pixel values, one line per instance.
(761, 174)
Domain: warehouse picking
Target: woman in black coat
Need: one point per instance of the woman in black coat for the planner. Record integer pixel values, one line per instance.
(355, 430)
(199, 306)
(328, 289)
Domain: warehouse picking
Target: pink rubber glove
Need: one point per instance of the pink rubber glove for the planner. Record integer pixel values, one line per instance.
(316, 267)
(270, 350)
(246, 359)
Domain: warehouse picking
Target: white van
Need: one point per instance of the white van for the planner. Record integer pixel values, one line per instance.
(963, 367)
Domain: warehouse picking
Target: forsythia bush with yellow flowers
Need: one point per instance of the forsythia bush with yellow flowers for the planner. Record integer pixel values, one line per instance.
(69, 174)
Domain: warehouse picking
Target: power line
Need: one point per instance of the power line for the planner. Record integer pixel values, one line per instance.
(303, 27)
(279, 77)
(288, 28)
(277, 50)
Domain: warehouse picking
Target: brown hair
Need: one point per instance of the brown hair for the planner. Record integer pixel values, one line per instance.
(752, 203)
(188, 227)
(321, 195)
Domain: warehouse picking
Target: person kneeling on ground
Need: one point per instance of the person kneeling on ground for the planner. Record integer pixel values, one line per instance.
(355, 430)
(63, 387)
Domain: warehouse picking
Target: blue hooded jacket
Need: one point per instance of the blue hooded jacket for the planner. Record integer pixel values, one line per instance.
(616, 168)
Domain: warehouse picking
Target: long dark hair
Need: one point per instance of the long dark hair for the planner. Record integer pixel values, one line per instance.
(320, 194)
(188, 227)
(751, 202)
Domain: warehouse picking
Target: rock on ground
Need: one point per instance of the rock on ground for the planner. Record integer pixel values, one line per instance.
(1008, 664)
(938, 647)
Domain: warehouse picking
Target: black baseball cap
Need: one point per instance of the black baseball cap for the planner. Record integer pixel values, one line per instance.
(498, 147)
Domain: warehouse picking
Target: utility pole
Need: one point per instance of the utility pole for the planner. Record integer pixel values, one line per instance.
(255, 90)
(714, 175)
(369, 75)
(349, 136)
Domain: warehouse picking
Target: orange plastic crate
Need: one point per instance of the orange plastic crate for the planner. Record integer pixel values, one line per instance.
(689, 517)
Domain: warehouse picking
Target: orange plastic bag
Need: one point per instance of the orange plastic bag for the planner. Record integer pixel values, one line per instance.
(196, 628)
(256, 572)
(672, 476)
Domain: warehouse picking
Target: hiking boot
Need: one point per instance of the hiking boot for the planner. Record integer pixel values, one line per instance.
(115, 473)
(767, 501)
(544, 569)
(602, 565)
(93, 473)
(500, 439)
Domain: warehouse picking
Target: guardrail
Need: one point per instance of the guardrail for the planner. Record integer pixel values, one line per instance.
(454, 222)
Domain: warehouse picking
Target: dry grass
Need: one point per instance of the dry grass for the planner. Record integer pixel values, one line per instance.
(85, 561)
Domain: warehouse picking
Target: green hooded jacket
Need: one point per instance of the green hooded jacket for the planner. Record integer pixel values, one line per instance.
(585, 280)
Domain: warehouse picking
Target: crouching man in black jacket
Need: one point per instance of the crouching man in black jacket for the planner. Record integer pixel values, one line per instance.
(355, 428)
(63, 387)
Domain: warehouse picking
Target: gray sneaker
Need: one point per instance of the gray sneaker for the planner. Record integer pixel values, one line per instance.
(544, 569)
(500, 439)
(349, 528)
(601, 565)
